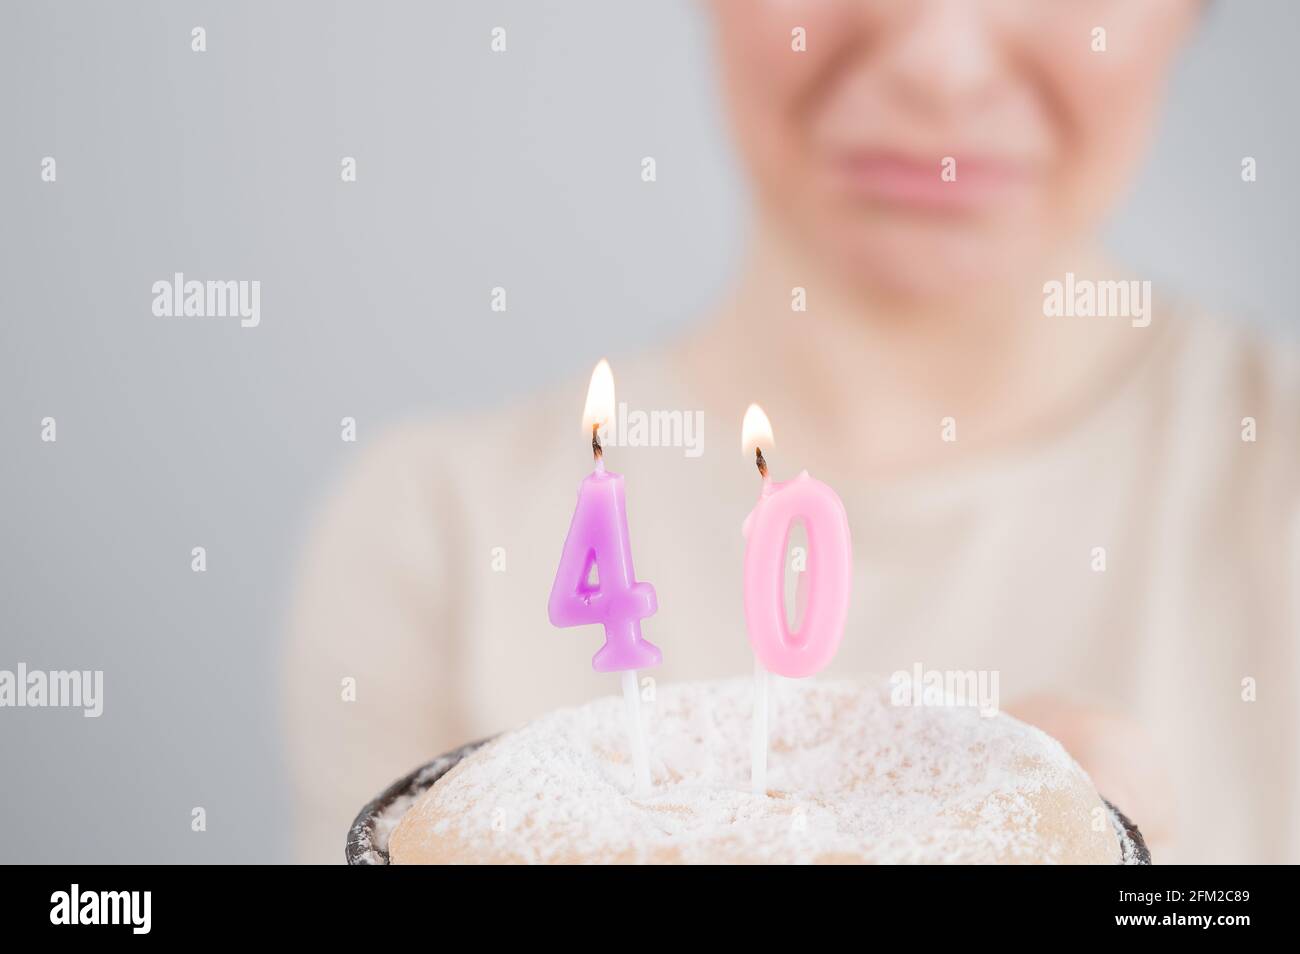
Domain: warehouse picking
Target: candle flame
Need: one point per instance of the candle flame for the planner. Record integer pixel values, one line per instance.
(600, 398)
(756, 431)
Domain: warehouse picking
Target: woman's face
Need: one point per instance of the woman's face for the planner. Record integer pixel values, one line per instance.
(925, 147)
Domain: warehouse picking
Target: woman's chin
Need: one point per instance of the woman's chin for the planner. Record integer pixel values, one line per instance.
(936, 265)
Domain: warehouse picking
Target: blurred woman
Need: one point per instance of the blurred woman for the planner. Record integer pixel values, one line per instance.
(1077, 483)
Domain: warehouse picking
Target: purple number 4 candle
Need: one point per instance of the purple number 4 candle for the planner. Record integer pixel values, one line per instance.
(598, 539)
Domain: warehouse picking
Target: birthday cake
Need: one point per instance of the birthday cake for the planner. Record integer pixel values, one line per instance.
(851, 778)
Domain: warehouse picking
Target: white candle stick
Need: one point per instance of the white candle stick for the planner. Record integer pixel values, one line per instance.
(636, 733)
(758, 743)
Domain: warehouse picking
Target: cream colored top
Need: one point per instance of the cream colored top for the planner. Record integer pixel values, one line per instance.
(426, 579)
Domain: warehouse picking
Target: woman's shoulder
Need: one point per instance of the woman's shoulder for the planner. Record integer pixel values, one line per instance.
(1243, 366)
(1229, 402)
(1242, 358)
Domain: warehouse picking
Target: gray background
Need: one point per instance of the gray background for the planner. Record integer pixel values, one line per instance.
(475, 170)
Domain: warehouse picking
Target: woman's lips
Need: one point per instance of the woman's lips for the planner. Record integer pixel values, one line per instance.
(973, 184)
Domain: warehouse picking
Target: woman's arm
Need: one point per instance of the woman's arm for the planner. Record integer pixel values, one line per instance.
(369, 677)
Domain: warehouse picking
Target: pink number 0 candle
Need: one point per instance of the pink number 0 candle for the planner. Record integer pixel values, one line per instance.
(829, 571)
(598, 539)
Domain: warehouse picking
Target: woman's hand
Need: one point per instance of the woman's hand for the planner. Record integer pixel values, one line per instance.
(1117, 753)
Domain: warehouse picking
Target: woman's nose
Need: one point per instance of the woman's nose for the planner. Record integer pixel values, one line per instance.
(939, 55)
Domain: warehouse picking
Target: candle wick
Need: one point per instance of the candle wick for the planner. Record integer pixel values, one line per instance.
(596, 450)
(762, 464)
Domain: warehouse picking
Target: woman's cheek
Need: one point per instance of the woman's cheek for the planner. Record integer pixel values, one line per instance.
(774, 58)
(1091, 77)
(1106, 95)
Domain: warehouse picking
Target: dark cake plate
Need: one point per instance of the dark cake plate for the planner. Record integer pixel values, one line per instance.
(367, 842)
